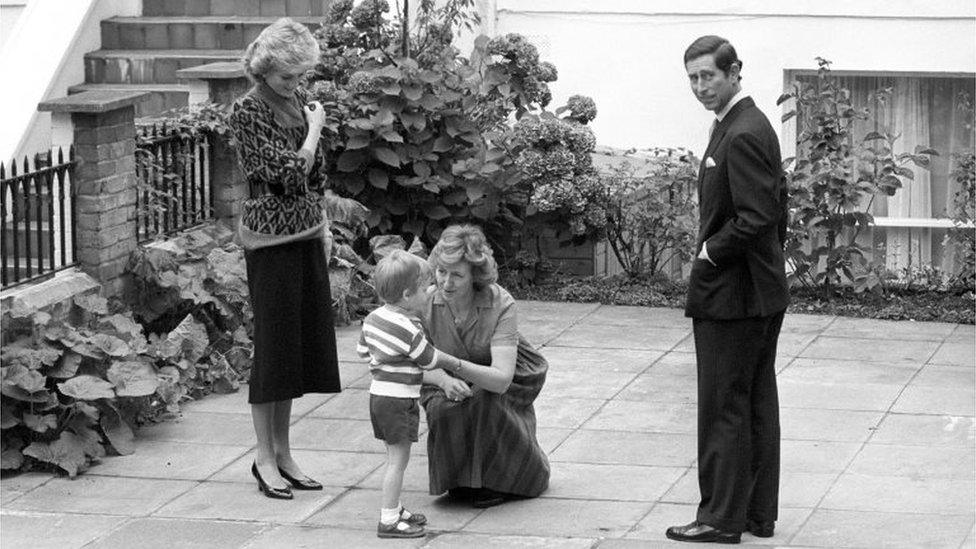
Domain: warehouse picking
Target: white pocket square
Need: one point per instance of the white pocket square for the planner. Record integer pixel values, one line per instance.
(709, 163)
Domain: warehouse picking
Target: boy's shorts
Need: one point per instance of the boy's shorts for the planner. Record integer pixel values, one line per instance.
(395, 420)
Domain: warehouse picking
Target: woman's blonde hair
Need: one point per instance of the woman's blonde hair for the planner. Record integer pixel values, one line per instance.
(467, 243)
(281, 44)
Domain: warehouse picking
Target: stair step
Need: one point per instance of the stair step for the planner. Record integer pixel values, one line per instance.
(203, 32)
(164, 97)
(275, 8)
(148, 66)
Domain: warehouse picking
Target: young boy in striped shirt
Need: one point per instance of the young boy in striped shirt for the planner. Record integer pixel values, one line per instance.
(394, 344)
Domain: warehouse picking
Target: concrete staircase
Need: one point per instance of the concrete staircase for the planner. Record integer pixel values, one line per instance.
(143, 53)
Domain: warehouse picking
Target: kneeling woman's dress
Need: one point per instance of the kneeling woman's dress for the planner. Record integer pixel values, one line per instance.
(487, 440)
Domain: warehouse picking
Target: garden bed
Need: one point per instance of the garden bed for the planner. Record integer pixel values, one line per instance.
(897, 303)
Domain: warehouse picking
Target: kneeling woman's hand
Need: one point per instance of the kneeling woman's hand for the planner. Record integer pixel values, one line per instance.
(455, 389)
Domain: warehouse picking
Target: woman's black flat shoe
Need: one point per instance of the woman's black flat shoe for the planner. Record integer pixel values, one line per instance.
(274, 493)
(300, 484)
(487, 497)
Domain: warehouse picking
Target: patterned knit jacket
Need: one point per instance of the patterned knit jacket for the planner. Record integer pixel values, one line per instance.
(284, 204)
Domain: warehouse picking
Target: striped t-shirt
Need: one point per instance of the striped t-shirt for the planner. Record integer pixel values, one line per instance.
(394, 344)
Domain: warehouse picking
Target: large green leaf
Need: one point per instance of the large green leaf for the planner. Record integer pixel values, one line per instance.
(133, 378)
(111, 345)
(7, 417)
(31, 358)
(117, 431)
(67, 452)
(41, 423)
(11, 456)
(378, 178)
(87, 387)
(387, 156)
(18, 376)
(123, 324)
(191, 338)
(67, 367)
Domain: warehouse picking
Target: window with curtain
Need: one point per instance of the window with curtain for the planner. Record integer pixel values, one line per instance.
(925, 110)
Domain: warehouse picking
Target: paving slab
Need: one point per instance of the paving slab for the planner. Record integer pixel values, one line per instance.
(552, 410)
(225, 429)
(631, 316)
(331, 468)
(153, 533)
(933, 430)
(891, 351)
(611, 482)
(551, 438)
(796, 489)
(831, 528)
(817, 456)
(819, 424)
(627, 448)
(578, 359)
(657, 385)
(643, 416)
(846, 372)
(928, 462)
(837, 396)
(888, 329)
(854, 492)
(351, 403)
(12, 487)
(955, 353)
(487, 541)
(171, 460)
(586, 383)
(47, 531)
(243, 502)
(560, 517)
(91, 494)
(605, 336)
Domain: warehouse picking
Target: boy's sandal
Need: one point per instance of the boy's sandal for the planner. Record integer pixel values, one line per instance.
(414, 518)
(400, 529)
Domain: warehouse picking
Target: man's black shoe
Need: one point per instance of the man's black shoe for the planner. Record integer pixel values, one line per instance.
(761, 528)
(702, 533)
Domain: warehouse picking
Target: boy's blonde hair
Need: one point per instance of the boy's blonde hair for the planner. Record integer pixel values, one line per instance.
(284, 43)
(398, 272)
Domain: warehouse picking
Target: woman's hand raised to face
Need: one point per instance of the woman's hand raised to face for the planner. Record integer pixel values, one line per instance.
(315, 115)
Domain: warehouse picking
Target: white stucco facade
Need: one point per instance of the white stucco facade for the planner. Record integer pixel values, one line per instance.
(627, 54)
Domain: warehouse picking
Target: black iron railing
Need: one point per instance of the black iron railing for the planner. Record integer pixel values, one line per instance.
(38, 217)
(173, 181)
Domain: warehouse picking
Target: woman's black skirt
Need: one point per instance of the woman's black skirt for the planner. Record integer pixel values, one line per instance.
(294, 329)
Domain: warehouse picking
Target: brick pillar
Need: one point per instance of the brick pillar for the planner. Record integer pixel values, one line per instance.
(220, 83)
(104, 183)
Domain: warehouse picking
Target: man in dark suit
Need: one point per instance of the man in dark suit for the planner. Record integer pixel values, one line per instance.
(737, 294)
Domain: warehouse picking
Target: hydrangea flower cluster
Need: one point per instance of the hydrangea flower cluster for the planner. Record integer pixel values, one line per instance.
(362, 83)
(581, 108)
(369, 14)
(339, 10)
(555, 159)
(521, 59)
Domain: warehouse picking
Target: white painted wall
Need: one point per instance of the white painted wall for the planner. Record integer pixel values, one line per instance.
(10, 11)
(41, 58)
(627, 54)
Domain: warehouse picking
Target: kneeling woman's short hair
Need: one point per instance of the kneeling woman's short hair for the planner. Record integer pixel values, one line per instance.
(398, 272)
(466, 242)
(281, 44)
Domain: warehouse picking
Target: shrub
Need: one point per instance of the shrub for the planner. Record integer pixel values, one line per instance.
(651, 215)
(963, 214)
(421, 133)
(833, 182)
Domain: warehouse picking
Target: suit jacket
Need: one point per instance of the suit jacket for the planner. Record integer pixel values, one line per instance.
(743, 213)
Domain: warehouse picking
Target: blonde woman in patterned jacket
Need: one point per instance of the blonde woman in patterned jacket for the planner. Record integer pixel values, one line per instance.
(285, 236)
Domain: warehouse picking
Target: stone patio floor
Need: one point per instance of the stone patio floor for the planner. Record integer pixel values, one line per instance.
(878, 451)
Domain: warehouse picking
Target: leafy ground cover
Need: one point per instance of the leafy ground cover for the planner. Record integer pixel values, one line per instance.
(913, 303)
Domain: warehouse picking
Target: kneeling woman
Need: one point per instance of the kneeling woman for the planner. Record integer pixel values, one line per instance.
(480, 415)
